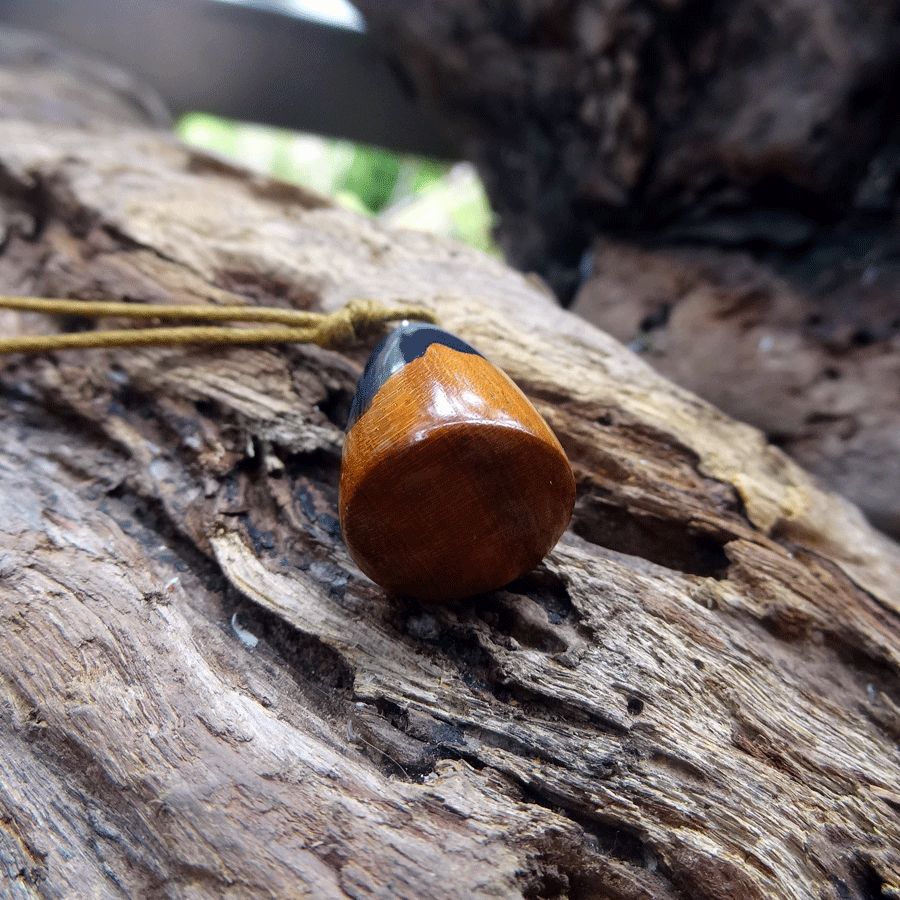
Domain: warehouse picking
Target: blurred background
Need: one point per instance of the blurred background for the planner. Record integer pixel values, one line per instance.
(292, 88)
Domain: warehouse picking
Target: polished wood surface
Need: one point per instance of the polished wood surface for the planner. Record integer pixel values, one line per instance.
(452, 484)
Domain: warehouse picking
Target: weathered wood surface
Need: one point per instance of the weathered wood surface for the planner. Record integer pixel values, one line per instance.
(819, 373)
(696, 696)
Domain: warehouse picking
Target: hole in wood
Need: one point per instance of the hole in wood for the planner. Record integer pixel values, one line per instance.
(669, 543)
(336, 406)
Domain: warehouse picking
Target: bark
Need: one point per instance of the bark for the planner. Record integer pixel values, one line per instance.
(672, 116)
(719, 180)
(694, 696)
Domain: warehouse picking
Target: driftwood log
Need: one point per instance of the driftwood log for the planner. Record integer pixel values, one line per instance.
(695, 696)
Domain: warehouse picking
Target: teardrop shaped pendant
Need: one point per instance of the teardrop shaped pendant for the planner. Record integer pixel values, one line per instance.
(451, 482)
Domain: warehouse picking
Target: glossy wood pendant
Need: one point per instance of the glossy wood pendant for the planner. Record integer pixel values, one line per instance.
(451, 482)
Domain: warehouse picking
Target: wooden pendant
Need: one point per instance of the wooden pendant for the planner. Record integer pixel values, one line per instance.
(451, 482)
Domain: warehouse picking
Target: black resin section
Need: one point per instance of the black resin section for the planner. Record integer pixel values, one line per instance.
(405, 343)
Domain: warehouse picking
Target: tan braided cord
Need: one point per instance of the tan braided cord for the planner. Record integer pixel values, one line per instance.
(355, 322)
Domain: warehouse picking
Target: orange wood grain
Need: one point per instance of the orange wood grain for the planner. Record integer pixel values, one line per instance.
(452, 484)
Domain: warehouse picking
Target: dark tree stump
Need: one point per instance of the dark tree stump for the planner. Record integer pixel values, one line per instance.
(732, 119)
(696, 694)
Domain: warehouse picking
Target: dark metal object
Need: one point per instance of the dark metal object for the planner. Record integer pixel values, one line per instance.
(244, 63)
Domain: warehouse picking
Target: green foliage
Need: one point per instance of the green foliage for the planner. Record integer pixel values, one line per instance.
(407, 191)
(372, 177)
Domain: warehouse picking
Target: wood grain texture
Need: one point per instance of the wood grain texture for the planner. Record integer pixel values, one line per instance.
(451, 482)
(818, 373)
(200, 696)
